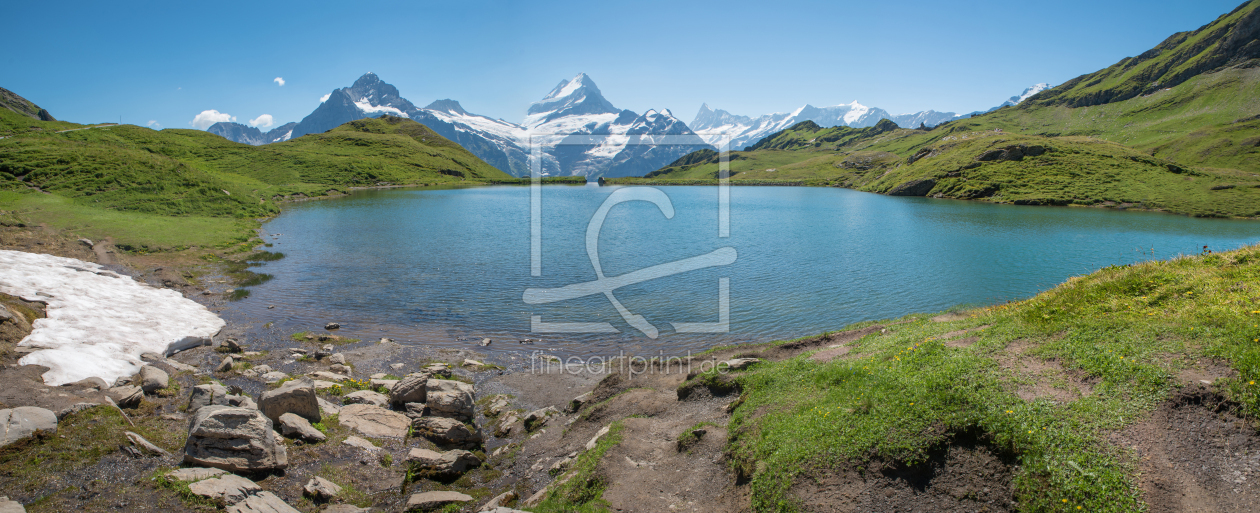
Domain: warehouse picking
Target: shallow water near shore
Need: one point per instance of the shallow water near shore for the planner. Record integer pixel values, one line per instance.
(447, 267)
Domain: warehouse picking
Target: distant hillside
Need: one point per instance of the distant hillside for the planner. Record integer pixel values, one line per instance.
(135, 170)
(1190, 145)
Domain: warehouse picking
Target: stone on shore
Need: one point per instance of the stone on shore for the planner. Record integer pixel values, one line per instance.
(8, 506)
(329, 408)
(374, 421)
(226, 490)
(153, 379)
(367, 397)
(447, 398)
(25, 421)
(261, 502)
(449, 463)
(337, 359)
(294, 426)
(273, 377)
(432, 500)
(740, 363)
(578, 402)
(225, 365)
(410, 389)
(234, 439)
(446, 432)
(195, 473)
(499, 501)
(344, 508)
(296, 397)
(329, 376)
(232, 346)
(321, 489)
(206, 395)
(126, 396)
(354, 441)
(537, 418)
(146, 445)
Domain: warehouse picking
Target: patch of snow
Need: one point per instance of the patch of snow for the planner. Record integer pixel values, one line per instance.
(99, 322)
(1031, 91)
(856, 111)
(570, 87)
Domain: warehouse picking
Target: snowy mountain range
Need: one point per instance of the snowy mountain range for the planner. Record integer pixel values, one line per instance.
(598, 139)
(713, 125)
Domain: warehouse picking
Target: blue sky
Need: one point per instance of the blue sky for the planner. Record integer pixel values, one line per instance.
(168, 61)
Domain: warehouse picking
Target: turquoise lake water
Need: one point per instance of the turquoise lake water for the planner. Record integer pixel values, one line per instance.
(444, 266)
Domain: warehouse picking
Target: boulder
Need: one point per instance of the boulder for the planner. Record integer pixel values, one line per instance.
(919, 187)
(234, 439)
(296, 397)
(374, 421)
(367, 397)
(25, 421)
(321, 489)
(499, 501)
(195, 473)
(261, 502)
(449, 463)
(226, 490)
(332, 326)
(126, 396)
(153, 379)
(410, 389)
(294, 426)
(225, 365)
(354, 441)
(337, 359)
(329, 408)
(387, 383)
(506, 425)
(206, 395)
(415, 410)
(340, 369)
(8, 506)
(537, 418)
(485, 342)
(498, 405)
(446, 432)
(75, 408)
(146, 445)
(89, 383)
(468, 362)
(447, 398)
(329, 376)
(740, 363)
(433, 500)
(241, 401)
(578, 402)
(273, 377)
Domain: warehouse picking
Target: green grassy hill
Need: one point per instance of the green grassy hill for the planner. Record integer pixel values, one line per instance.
(108, 171)
(1175, 129)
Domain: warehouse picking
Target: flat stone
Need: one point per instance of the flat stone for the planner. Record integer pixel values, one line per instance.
(410, 389)
(537, 418)
(195, 473)
(153, 379)
(448, 398)
(329, 376)
(206, 395)
(578, 402)
(273, 377)
(262, 502)
(740, 363)
(354, 441)
(146, 445)
(431, 500)
(595, 439)
(341, 369)
(468, 362)
(367, 397)
(344, 508)
(234, 439)
(294, 426)
(328, 407)
(387, 383)
(225, 365)
(296, 397)
(321, 489)
(324, 385)
(446, 432)
(226, 490)
(75, 408)
(447, 463)
(498, 502)
(337, 358)
(8, 506)
(374, 421)
(25, 421)
(126, 396)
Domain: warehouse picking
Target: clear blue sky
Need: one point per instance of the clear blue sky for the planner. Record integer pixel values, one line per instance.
(168, 61)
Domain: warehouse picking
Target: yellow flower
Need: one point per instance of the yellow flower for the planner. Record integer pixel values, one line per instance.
(1065, 500)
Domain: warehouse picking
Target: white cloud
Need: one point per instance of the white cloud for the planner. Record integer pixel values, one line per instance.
(279, 80)
(325, 98)
(154, 124)
(262, 121)
(210, 117)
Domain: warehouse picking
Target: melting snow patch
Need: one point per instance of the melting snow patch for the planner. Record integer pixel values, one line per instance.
(99, 322)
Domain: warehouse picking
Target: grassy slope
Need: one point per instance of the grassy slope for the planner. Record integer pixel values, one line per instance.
(1127, 329)
(1208, 124)
(110, 173)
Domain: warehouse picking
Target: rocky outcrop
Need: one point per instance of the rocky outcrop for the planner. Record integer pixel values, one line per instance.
(447, 398)
(919, 187)
(234, 439)
(226, 490)
(25, 421)
(153, 379)
(1012, 153)
(367, 397)
(432, 500)
(262, 502)
(296, 397)
(294, 426)
(446, 432)
(321, 489)
(410, 389)
(374, 421)
(127, 396)
(444, 464)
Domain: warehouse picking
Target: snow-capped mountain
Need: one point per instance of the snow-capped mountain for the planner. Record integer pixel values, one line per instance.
(367, 97)
(250, 135)
(744, 131)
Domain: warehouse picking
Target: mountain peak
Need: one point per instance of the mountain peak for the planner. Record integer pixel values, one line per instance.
(447, 105)
(576, 96)
(368, 79)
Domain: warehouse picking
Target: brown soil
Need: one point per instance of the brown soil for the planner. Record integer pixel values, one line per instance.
(965, 476)
(1196, 455)
(1043, 378)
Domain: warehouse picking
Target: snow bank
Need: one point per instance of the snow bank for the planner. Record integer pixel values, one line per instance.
(99, 322)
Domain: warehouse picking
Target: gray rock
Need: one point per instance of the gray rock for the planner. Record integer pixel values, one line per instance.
(329, 408)
(469, 362)
(127, 396)
(354, 441)
(8, 506)
(374, 421)
(337, 358)
(537, 418)
(415, 410)
(446, 432)
(340, 369)
(387, 383)
(498, 501)
(740, 363)
(449, 463)
(157, 358)
(153, 379)
(498, 405)
(447, 398)
(226, 490)
(578, 402)
(273, 377)
(599, 434)
(367, 397)
(89, 383)
(432, 500)
(325, 351)
(396, 366)
(485, 342)
(234, 439)
(75, 408)
(225, 365)
(24, 421)
(506, 424)
(504, 509)
(294, 426)
(332, 326)
(232, 345)
(321, 489)
(344, 508)
(297, 397)
(195, 473)
(918, 187)
(263, 369)
(206, 395)
(241, 401)
(410, 389)
(329, 376)
(146, 445)
(262, 502)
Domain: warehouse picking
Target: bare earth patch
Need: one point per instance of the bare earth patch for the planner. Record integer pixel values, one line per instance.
(1040, 378)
